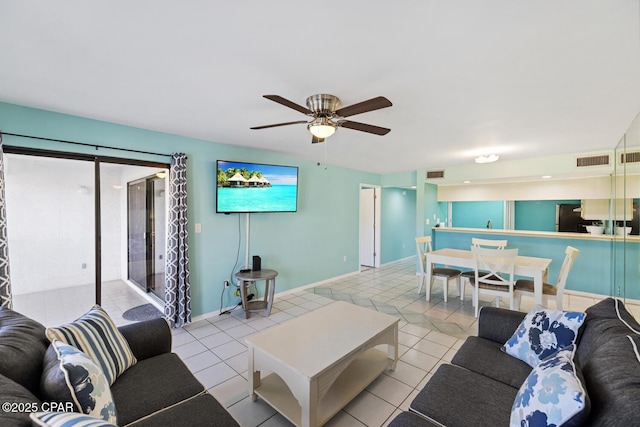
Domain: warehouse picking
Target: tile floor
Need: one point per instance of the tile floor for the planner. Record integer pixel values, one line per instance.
(54, 307)
(215, 351)
(430, 333)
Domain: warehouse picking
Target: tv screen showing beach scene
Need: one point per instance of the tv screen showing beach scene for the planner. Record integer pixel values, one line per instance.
(253, 187)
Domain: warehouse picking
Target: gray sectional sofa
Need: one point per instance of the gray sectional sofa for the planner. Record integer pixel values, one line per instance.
(159, 390)
(480, 384)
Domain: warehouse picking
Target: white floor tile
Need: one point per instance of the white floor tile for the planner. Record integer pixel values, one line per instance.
(214, 375)
(230, 349)
(250, 414)
(369, 409)
(201, 361)
(231, 391)
(390, 390)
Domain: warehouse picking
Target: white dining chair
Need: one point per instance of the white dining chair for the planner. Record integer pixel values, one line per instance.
(525, 287)
(441, 273)
(494, 271)
(481, 243)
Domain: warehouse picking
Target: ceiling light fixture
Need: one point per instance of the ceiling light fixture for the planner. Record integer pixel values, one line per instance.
(161, 174)
(487, 158)
(546, 176)
(322, 127)
(467, 182)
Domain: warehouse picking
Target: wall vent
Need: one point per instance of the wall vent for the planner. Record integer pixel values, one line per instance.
(630, 157)
(435, 174)
(599, 160)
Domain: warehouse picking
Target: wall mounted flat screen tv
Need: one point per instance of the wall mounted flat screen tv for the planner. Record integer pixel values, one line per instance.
(254, 187)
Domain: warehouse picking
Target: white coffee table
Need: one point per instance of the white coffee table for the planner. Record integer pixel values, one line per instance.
(322, 360)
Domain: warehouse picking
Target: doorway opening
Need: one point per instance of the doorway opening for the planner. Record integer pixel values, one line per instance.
(370, 207)
(146, 216)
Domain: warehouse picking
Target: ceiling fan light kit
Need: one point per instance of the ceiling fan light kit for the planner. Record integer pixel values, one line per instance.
(326, 117)
(322, 127)
(487, 158)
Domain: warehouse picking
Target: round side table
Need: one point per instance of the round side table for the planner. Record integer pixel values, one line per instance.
(269, 277)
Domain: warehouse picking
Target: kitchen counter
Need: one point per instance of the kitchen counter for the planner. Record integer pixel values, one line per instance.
(553, 234)
(606, 265)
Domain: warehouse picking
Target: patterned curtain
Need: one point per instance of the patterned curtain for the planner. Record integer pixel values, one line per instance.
(177, 306)
(5, 280)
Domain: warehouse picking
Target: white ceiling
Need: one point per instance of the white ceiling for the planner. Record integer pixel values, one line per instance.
(518, 78)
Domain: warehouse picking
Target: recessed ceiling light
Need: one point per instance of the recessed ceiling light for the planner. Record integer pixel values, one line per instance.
(467, 182)
(546, 176)
(487, 158)
(116, 186)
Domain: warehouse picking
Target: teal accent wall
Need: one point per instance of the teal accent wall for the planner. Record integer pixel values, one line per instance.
(397, 224)
(537, 215)
(592, 271)
(477, 214)
(305, 247)
(432, 208)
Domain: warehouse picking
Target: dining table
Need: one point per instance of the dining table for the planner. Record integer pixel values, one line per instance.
(533, 267)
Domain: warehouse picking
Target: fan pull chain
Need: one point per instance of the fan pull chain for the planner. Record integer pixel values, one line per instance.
(326, 142)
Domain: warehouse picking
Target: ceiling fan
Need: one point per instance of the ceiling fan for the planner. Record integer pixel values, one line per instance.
(327, 117)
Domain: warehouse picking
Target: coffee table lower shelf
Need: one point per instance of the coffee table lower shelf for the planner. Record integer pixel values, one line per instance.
(353, 380)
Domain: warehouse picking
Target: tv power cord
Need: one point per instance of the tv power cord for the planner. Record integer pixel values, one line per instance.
(249, 298)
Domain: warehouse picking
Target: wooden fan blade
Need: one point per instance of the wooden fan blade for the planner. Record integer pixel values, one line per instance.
(287, 103)
(279, 124)
(315, 139)
(363, 127)
(364, 106)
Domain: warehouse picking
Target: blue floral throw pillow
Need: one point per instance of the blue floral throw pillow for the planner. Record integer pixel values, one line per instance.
(552, 395)
(69, 375)
(542, 333)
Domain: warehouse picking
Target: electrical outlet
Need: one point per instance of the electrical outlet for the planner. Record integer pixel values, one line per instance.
(226, 283)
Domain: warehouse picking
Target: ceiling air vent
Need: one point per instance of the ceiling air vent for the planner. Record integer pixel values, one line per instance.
(630, 157)
(435, 174)
(599, 160)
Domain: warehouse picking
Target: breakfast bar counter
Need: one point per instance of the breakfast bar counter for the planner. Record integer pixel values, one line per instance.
(607, 264)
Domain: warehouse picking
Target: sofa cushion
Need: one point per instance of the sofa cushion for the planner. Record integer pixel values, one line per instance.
(151, 385)
(22, 348)
(203, 410)
(72, 376)
(607, 318)
(67, 419)
(411, 419)
(96, 335)
(18, 396)
(455, 396)
(485, 357)
(542, 333)
(553, 394)
(612, 377)
(613, 308)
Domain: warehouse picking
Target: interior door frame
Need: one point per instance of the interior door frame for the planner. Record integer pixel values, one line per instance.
(377, 223)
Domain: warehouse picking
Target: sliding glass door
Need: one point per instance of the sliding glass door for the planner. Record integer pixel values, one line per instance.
(68, 227)
(146, 238)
